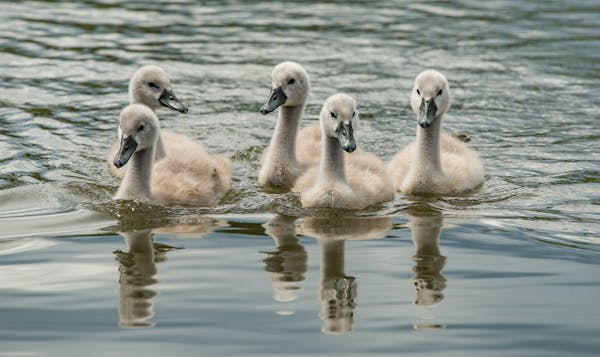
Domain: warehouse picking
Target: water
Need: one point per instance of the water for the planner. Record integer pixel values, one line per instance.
(508, 271)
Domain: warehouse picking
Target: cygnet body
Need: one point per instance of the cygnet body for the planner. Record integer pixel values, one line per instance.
(435, 163)
(359, 183)
(151, 87)
(190, 177)
(291, 150)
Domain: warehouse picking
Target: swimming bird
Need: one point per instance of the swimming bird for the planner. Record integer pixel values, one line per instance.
(290, 152)
(151, 86)
(435, 163)
(190, 177)
(360, 183)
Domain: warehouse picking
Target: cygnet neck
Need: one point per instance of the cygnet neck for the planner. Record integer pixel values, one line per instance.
(159, 148)
(138, 177)
(427, 154)
(332, 161)
(286, 131)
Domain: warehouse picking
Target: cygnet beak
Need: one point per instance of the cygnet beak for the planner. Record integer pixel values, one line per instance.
(125, 152)
(276, 99)
(168, 99)
(345, 135)
(427, 112)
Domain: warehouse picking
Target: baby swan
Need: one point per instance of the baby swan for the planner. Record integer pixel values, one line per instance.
(435, 163)
(180, 178)
(284, 161)
(151, 86)
(361, 183)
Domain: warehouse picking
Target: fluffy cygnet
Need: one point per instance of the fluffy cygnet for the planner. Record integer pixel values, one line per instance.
(435, 163)
(187, 177)
(151, 86)
(290, 152)
(360, 183)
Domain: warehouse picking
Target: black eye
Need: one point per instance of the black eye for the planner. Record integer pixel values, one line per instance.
(333, 115)
(292, 81)
(152, 85)
(141, 128)
(418, 92)
(353, 114)
(439, 92)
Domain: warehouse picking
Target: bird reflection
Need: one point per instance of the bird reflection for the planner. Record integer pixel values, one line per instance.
(137, 267)
(338, 291)
(428, 281)
(286, 265)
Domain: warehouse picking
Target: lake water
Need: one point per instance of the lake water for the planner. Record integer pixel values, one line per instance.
(512, 270)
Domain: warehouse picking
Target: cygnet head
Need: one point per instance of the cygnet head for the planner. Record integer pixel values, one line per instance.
(339, 119)
(138, 130)
(430, 97)
(151, 86)
(289, 87)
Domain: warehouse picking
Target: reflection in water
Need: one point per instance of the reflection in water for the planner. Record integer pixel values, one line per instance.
(287, 264)
(338, 291)
(428, 281)
(137, 268)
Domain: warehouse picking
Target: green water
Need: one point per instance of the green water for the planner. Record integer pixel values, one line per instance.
(511, 270)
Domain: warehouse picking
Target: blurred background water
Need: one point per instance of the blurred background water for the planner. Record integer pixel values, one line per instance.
(510, 271)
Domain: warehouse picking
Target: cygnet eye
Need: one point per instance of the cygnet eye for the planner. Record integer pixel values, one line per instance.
(418, 91)
(140, 128)
(292, 81)
(152, 85)
(353, 114)
(333, 115)
(439, 92)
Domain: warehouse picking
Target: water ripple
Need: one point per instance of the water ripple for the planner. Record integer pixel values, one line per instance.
(523, 77)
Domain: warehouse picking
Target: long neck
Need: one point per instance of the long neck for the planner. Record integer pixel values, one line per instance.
(159, 147)
(283, 142)
(136, 183)
(427, 153)
(332, 160)
(160, 151)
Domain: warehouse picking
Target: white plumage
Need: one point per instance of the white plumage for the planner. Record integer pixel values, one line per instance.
(351, 181)
(151, 87)
(291, 150)
(186, 176)
(435, 163)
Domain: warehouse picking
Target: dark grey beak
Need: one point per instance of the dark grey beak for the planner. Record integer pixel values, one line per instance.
(168, 99)
(427, 112)
(345, 135)
(276, 99)
(125, 152)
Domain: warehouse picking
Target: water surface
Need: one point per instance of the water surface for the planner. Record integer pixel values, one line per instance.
(509, 271)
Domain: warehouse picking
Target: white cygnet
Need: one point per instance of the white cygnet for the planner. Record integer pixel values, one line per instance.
(291, 150)
(359, 183)
(435, 163)
(151, 87)
(190, 177)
